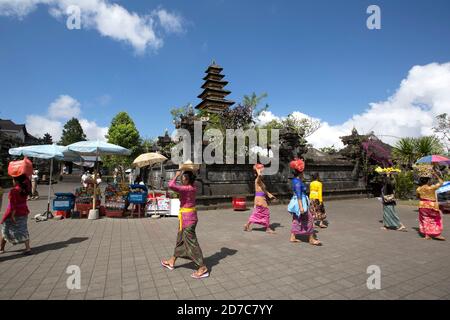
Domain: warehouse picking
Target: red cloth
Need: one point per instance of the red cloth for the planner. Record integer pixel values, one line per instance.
(17, 203)
(258, 166)
(297, 164)
(430, 222)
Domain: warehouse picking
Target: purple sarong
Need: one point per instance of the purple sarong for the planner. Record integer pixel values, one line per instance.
(260, 215)
(303, 225)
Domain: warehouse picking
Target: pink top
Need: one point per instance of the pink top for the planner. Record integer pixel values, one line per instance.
(187, 193)
(17, 203)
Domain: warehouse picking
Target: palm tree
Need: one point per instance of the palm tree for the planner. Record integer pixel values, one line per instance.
(404, 151)
(425, 146)
(409, 150)
(253, 101)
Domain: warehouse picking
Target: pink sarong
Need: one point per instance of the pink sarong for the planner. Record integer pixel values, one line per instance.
(303, 225)
(260, 215)
(430, 222)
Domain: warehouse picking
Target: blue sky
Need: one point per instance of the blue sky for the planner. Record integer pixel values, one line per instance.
(315, 57)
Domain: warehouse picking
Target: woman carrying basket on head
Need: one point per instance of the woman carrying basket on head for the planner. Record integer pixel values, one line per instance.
(15, 220)
(302, 217)
(261, 212)
(430, 218)
(187, 244)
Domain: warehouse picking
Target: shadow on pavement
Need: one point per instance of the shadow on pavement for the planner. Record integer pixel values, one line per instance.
(212, 260)
(43, 248)
(273, 226)
(418, 231)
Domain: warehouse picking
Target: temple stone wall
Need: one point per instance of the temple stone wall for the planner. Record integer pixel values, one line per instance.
(218, 184)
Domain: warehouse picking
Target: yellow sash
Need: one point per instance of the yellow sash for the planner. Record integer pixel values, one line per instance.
(180, 214)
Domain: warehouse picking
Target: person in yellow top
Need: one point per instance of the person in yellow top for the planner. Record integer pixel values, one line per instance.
(430, 218)
(315, 196)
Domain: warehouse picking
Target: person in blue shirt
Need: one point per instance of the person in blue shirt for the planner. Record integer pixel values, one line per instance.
(302, 221)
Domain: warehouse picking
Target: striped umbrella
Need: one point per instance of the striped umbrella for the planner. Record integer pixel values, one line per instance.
(433, 159)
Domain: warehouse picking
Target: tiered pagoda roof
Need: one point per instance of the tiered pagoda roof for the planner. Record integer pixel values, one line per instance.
(213, 95)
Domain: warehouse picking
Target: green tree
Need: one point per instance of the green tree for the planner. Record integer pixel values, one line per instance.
(7, 142)
(329, 150)
(148, 144)
(404, 152)
(442, 128)
(269, 126)
(253, 101)
(72, 132)
(404, 185)
(408, 150)
(179, 112)
(304, 127)
(425, 146)
(123, 132)
(47, 139)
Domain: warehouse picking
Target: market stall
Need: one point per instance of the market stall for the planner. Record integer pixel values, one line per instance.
(116, 200)
(84, 199)
(96, 148)
(157, 201)
(63, 204)
(49, 152)
(138, 198)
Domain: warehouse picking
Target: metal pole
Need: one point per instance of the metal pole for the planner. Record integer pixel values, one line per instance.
(49, 188)
(95, 180)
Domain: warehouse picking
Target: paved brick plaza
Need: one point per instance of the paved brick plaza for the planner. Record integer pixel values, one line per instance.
(119, 258)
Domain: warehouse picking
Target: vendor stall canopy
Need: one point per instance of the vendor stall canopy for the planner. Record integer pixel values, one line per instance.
(46, 151)
(92, 148)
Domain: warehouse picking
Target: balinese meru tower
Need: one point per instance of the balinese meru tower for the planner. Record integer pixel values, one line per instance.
(218, 183)
(213, 95)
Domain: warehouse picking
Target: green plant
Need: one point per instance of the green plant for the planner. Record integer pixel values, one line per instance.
(72, 132)
(123, 132)
(404, 152)
(329, 150)
(427, 145)
(174, 195)
(404, 185)
(409, 150)
(179, 113)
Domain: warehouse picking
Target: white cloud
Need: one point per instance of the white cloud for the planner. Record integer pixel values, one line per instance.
(20, 8)
(266, 117)
(93, 131)
(170, 22)
(60, 110)
(40, 125)
(65, 107)
(109, 19)
(409, 112)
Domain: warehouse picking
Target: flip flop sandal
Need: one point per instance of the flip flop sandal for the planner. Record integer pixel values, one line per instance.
(166, 265)
(204, 275)
(27, 253)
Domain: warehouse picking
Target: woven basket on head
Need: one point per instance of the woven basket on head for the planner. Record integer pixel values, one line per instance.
(189, 166)
(423, 170)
